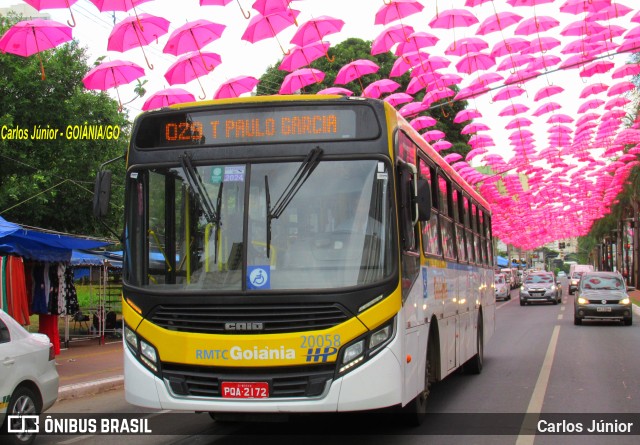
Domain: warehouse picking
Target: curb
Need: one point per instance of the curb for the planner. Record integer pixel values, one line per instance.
(78, 390)
(636, 309)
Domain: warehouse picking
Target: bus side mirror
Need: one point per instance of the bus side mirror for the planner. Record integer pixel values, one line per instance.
(102, 194)
(422, 200)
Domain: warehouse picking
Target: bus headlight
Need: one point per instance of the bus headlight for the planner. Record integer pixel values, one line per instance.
(366, 347)
(149, 355)
(142, 349)
(131, 338)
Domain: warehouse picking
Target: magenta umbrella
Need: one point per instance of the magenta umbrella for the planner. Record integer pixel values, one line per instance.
(620, 87)
(453, 157)
(268, 26)
(593, 89)
(453, 18)
(513, 109)
(422, 122)
(514, 61)
(380, 87)
(629, 69)
(193, 36)
(54, 4)
(33, 36)
(442, 145)
(396, 10)
(435, 95)
(167, 97)
(518, 122)
(415, 42)
(547, 91)
(299, 79)
(474, 127)
(235, 87)
(396, 99)
(266, 7)
(192, 66)
(119, 5)
(560, 119)
(316, 29)
(590, 105)
(498, 22)
(336, 90)
(224, 3)
(413, 108)
(111, 75)
(389, 37)
(433, 135)
(135, 32)
(509, 92)
(536, 24)
(466, 114)
(467, 45)
(354, 70)
(475, 62)
(597, 67)
(303, 55)
(509, 45)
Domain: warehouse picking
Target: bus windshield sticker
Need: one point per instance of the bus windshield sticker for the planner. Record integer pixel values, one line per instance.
(258, 277)
(234, 173)
(216, 175)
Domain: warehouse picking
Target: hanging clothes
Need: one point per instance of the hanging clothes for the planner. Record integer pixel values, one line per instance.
(17, 291)
(3, 290)
(71, 295)
(39, 303)
(49, 327)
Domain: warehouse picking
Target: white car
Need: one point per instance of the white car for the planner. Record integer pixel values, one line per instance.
(503, 289)
(28, 376)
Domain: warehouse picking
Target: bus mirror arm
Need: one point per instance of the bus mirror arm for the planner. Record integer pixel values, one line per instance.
(102, 194)
(422, 200)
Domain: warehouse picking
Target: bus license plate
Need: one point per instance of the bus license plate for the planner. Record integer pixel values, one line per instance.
(603, 309)
(244, 390)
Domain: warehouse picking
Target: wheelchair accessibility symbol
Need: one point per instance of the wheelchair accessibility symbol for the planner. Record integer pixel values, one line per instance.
(258, 277)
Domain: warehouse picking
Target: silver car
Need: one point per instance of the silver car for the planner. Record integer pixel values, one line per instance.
(503, 290)
(602, 296)
(28, 377)
(540, 287)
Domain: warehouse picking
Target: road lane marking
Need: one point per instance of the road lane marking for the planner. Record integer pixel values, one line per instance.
(562, 308)
(528, 428)
(560, 317)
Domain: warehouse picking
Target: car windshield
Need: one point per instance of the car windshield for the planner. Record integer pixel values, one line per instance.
(500, 279)
(535, 279)
(603, 283)
(576, 275)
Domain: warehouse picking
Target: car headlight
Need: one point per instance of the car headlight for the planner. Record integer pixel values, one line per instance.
(582, 300)
(366, 347)
(553, 287)
(625, 301)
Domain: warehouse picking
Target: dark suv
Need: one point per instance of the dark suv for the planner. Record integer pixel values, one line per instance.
(602, 295)
(540, 287)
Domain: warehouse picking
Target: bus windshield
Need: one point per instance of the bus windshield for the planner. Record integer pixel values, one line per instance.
(204, 227)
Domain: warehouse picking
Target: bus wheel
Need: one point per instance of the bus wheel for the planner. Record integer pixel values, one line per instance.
(474, 364)
(414, 412)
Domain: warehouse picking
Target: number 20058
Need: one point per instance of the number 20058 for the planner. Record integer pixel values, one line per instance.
(320, 341)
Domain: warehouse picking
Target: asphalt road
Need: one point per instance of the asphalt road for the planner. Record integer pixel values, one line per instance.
(537, 361)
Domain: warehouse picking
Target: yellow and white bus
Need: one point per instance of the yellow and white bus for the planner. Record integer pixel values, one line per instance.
(297, 254)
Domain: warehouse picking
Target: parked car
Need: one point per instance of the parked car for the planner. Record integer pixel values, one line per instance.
(28, 376)
(602, 295)
(540, 287)
(502, 288)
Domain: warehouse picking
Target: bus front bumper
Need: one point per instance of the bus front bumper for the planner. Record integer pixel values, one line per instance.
(375, 384)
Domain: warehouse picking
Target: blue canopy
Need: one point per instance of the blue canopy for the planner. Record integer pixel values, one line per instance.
(41, 246)
(502, 262)
(80, 259)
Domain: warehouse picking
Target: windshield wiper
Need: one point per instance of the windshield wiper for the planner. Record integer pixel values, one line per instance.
(295, 184)
(195, 183)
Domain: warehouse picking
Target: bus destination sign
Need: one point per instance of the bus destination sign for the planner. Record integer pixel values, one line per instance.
(229, 127)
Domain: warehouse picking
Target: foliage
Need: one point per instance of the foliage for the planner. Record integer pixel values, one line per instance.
(354, 49)
(48, 182)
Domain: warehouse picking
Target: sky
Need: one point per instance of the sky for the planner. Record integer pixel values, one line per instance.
(240, 57)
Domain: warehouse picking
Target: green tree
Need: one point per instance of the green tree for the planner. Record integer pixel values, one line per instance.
(354, 49)
(48, 182)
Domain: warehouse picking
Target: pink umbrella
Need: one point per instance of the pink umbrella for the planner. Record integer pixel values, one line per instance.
(413, 108)
(616, 102)
(223, 3)
(599, 66)
(498, 22)
(475, 152)
(466, 114)
(581, 28)
(33, 36)
(518, 122)
(354, 70)
(396, 10)
(528, 2)
(54, 4)
(560, 119)
(467, 45)
(436, 95)
(268, 26)
(235, 87)
(111, 75)
(433, 135)
(303, 55)
(513, 109)
(536, 25)
(299, 79)
(316, 29)
(380, 87)
(415, 42)
(590, 105)
(514, 61)
(135, 32)
(475, 62)
(481, 140)
(485, 79)
(396, 99)
(547, 91)
(193, 36)
(336, 90)
(509, 45)
(442, 145)
(166, 97)
(389, 37)
(453, 157)
(621, 87)
(580, 6)
(453, 18)
(509, 92)
(629, 69)
(474, 127)
(545, 61)
(119, 5)
(192, 66)
(266, 7)
(593, 89)
(422, 122)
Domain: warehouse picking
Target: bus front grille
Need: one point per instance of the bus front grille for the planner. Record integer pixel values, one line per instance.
(249, 319)
(204, 381)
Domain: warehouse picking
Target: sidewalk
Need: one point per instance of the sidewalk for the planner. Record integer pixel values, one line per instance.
(88, 368)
